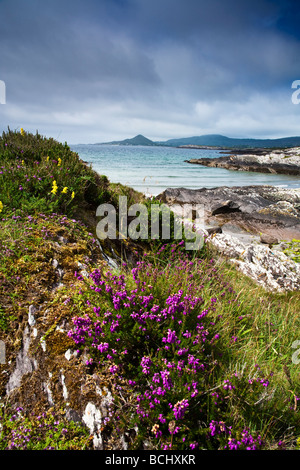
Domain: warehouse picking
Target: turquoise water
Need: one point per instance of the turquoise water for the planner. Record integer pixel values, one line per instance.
(153, 169)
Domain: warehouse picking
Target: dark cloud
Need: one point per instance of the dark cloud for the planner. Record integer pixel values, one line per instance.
(95, 70)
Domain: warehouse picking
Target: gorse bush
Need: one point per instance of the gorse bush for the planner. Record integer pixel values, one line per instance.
(159, 330)
(41, 175)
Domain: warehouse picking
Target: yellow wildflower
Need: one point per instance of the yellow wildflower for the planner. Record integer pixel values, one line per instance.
(73, 195)
(47, 159)
(59, 162)
(1, 206)
(22, 162)
(22, 131)
(65, 190)
(54, 187)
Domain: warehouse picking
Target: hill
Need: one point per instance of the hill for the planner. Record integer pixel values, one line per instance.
(212, 140)
(137, 140)
(215, 140)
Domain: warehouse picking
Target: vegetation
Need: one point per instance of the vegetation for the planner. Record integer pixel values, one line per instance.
(197, 356)
(47, 431)
(292, 249)
(41, 175)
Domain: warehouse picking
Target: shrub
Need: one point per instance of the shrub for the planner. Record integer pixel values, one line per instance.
(167, 334)
(41, 175)
(47, 431)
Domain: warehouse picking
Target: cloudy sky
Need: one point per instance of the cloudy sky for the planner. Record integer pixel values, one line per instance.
(86, 71)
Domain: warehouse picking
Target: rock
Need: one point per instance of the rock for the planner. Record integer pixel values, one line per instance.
(252, 218)
(213, 230)
(2, 352)
(92, 418)
(272, 270)
(31, 315)
(284, 161)
(254, 209)
(228, 245)
(268, 239)
(225, 208)
(24, 364)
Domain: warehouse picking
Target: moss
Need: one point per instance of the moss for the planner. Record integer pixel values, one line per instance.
(58, 343)
(292, 250)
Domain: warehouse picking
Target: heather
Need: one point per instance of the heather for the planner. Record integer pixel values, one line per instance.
(173, 336)
(45, 431)
(188, 354)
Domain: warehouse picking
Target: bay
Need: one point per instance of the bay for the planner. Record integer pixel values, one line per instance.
(151, 170)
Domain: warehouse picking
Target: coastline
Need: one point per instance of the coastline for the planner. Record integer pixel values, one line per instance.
(255, 227)
(283, 161)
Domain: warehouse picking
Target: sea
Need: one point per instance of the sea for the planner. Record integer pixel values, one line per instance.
(151, 170)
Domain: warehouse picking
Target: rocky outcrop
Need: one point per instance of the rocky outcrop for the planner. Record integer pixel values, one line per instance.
(248, 225)
(269, 268)
(249, 210)
(286, 162)
(40, 367)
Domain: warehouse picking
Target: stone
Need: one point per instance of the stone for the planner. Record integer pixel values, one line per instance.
(268, 239)
(284, 161)
(31, 315)
(225, 208)
(24, 364)
(255, 210)
(273, 270)
(212, 230)
(92, 418)
(253, 219)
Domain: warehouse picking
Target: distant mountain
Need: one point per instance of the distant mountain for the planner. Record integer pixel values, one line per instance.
(137, 140)
(213, 140)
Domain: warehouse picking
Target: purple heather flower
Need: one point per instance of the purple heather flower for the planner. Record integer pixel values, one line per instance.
(103, 347)
(146, 364)
(194, 445)
(171, 337)
(180, 408)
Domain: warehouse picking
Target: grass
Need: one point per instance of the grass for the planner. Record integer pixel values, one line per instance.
(234, 384)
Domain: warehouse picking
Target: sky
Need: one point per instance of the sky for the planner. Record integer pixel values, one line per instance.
(87, 71)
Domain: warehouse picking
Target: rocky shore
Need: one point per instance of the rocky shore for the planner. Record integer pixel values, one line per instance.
(251, 226)
(282, 161)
